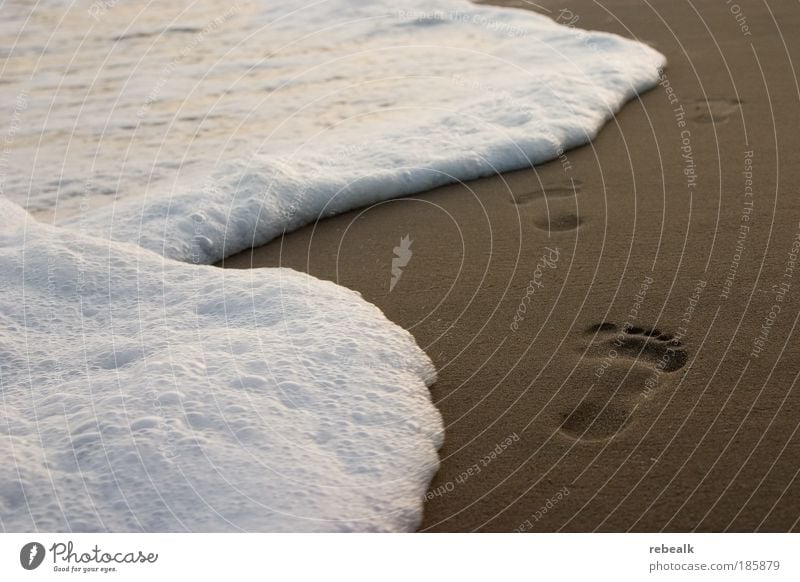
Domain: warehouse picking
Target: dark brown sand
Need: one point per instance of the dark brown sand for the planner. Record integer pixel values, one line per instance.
(693, 426)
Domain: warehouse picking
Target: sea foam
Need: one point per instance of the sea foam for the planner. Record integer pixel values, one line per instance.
(143, 390)
(144, 394)
(198, 134)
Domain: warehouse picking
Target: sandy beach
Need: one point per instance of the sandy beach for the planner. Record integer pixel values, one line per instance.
(614, 331)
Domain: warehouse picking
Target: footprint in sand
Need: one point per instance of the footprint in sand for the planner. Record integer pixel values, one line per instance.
(554, 206)
(713, 110)
(623, 366)
(557, 190)
(557, 220)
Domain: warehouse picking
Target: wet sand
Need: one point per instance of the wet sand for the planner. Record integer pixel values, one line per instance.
(615, 331)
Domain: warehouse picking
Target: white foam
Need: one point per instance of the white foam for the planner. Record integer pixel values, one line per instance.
(218, 129)
(147, 394)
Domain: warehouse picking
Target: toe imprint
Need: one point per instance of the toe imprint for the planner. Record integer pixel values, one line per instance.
(648, 346)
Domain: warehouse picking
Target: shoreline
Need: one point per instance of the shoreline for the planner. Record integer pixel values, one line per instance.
(661, 195)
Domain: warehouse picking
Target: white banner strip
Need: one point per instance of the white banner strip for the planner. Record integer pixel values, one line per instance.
(403, 557)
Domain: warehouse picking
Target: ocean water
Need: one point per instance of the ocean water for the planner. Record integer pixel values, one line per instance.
(150, 140)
